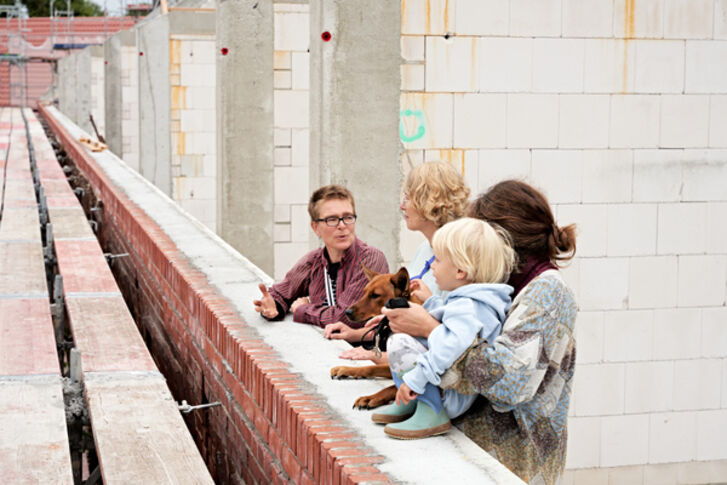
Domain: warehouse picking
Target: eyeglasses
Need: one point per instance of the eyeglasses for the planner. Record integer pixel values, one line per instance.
(333, 221)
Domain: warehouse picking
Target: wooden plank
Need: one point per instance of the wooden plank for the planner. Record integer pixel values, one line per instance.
(140, 435)
(27, 342)
(20, 224)
(70, 223)
(33, 439)
(106, 335)
(22, 269)
(83, 267)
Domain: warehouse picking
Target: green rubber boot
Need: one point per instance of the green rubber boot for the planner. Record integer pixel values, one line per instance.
(394, 413)
(424, 423)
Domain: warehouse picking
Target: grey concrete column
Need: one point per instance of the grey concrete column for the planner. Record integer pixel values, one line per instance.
(154, 102)
(354, 108)
(245, 128)
(83, 89)
(113, 58)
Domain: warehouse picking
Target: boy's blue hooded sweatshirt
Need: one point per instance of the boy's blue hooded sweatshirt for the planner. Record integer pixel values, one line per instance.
(470, 311)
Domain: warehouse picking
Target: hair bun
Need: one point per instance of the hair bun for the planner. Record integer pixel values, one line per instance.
(565, 238)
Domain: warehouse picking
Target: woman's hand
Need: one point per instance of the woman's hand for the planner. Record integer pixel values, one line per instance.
(415, 320)
(303, 300)
(420, 290)
(360, 353)
(266, 305)
(405, 395)
(341, 331)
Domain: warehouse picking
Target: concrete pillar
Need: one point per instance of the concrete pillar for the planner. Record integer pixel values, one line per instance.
(112, 92)
(66, 86)
(354, 109)
(98, 101)
(83, 89)
(245, 133)
(154, 102)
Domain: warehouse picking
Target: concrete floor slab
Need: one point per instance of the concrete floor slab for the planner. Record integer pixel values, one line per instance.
(70, 223)
(22, 270)
(20, 224)
(27, 344)
(83, 267)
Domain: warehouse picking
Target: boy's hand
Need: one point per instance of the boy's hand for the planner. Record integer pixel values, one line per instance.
(420, 290)
(405, 395)
(303, 300)
(266, 305)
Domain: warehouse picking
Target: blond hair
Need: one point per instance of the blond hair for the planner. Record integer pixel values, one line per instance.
(480, 249)
(437, 192)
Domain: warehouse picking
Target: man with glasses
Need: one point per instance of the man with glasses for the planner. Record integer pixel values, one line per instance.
(326, 281)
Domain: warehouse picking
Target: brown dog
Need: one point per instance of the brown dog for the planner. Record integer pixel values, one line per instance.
(380, 289)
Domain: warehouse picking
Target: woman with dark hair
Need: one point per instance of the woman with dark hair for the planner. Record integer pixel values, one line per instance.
(524, 377)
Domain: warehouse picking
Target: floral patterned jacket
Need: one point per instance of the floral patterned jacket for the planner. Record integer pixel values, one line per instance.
(524, 380)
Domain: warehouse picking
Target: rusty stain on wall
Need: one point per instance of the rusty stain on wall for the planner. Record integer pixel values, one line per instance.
(629, 6)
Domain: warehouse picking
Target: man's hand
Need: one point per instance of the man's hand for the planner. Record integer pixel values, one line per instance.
(303, 300)
(266, 305)
(420, 290)
(405, 395)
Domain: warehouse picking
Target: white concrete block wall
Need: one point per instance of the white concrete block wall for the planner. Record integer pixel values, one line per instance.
(291, 137)
(617, 109)
(193, 125)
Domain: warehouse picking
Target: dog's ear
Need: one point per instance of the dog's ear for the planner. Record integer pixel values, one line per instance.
(369, 273)
(401, 281)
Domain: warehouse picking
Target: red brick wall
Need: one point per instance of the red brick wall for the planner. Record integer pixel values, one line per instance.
(269, 429)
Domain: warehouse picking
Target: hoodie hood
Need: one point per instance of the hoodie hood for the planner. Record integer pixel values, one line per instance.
(494, 295)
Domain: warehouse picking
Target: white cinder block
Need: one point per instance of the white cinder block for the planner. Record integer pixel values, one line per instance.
(672, 437)
(607, 175)
(589, 337)
(482, 17)
(599, 389)
(704, 173)
(430, 17)
(634, 121)
(289, 188)
(299, 223)
(412, 77)
(714, 332)
(695, 384)
(291, 31)
(281, 157)
(197, 51)
(604, 283)
(590, 220)
(281, 137)
(498, 165)
(649, 386)
(702, 280)
(472, 170)
(301, 70)
(197, 120)
(286, 255)
(291, 109)
(720, 19)
(628, 335)
(571, 273)
(642, 19)
(282, 79)
(281, 213)
(684, 121)
(426, 120)
(711, 444)
(506, 64)
(657, 175)
(676, 334)
(624, 440)
(479, 120)
(631, 229)
(281, 233)
(610, 66)
(200, 97)
(682, 228)
(197, 75)
(583, 121)
(724, 383)
(718, 120)
(540, 18)
(300, 143)
(688, 19)
(716, 229)
(449, 66)
(653, 282)
(587, 18)
(558, 173)
(558, 65)
(412, 47)
(584, 442)
(706, 67)
(532, 120)
(281, 59)
(659, 66)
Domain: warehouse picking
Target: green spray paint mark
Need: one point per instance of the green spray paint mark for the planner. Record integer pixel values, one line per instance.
(419, 115)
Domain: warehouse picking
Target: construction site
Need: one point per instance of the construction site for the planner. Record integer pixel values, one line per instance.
(154, 170)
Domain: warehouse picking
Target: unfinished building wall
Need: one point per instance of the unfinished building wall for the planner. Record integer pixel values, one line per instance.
(617, 111)
(98, 98)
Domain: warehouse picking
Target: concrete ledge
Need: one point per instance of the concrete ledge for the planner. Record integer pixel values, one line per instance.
(280, 410)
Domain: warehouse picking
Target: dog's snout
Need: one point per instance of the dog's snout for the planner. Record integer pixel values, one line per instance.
(349, 313)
